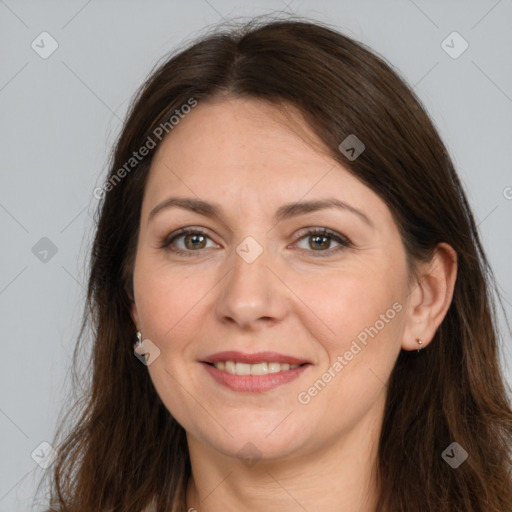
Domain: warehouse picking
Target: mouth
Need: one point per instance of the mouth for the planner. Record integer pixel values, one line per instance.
(254, 373)
(263, 368)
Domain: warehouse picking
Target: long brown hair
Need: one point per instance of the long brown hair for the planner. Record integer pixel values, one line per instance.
(125, 448)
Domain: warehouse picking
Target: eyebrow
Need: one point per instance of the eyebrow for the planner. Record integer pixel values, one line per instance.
(284, 212)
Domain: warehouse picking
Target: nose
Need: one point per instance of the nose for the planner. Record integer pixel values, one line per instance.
(252, 294)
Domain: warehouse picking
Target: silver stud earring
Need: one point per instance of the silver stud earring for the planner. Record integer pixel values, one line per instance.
(419, 343)
(138, 341)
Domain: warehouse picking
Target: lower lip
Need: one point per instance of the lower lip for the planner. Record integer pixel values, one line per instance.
(254, 383)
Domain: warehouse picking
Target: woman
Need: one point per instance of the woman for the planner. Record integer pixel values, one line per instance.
(284, 235)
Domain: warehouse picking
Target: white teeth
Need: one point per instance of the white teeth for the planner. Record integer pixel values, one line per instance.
(274, 367)
(242, 369)
(229, 366)
(259, 369)
(237, 368)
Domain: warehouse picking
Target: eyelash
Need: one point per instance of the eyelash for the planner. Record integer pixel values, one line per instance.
(342, 240)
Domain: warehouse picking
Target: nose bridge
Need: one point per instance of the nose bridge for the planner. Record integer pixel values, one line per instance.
(250, 290)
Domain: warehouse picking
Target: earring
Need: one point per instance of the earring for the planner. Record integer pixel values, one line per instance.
(138, 338)
(419, 343)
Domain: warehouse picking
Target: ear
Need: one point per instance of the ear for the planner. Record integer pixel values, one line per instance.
(135, 315)
(430, 297)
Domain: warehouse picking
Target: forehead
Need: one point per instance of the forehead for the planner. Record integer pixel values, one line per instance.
(248, 148)
(240, 134)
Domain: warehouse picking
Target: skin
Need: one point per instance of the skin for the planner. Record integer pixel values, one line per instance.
(246, 156)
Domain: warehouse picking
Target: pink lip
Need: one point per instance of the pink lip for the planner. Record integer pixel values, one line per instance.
(257, 357)
(253, 383)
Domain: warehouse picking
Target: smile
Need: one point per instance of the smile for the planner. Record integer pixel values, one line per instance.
(245, 381)
(238, 368)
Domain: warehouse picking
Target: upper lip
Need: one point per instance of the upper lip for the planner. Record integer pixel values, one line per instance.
(256, 357)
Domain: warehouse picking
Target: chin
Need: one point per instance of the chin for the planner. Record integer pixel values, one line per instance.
(255, 440)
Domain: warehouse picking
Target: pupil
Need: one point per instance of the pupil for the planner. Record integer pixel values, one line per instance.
(317, 238)
(193, 239)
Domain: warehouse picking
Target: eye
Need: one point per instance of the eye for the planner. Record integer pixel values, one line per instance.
(193, 240)
(320, 241)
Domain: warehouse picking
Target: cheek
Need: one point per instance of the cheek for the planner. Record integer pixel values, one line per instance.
(167, 296)
(361, 323)
(351, 303)
(360, 347)
(171, 302)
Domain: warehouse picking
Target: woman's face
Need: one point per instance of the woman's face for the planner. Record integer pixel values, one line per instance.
(256, 275)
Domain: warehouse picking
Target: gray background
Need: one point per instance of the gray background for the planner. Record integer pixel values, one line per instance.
(60, 116)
